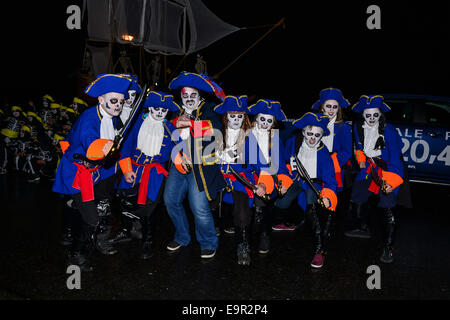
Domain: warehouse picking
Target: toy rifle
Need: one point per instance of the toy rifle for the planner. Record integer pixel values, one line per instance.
(245, 182)
(118, 139)
(302, 170)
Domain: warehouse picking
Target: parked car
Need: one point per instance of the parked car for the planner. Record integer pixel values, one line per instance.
(423, 123)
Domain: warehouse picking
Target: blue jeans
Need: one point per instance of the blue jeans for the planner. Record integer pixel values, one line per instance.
(177, 185)
(296, 188)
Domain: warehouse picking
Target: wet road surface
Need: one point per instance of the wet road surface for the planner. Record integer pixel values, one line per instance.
(32, 264)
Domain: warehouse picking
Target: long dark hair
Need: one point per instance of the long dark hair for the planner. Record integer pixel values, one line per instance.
(246, 125)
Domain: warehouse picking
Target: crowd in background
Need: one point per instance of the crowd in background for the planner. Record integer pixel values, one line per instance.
(30, 135)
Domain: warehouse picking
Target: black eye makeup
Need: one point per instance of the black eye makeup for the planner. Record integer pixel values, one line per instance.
(329, 106)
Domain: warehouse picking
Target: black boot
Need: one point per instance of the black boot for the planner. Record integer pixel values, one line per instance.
(243, 246)
(101, 246)
(147, 237)
(312, 215)
(66, 237)
(104, 214)
(124, 235)
(361, 213)
(388, 251)
(264, 229)
(75, 256)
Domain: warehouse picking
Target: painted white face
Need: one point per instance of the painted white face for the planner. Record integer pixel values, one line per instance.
(312, 135)
(372, 116)
(45, 103)
(158, 113)
(330, 108)
(264, 121)
(191, 98)
(112, 103)
(235, 120)
(130, 100)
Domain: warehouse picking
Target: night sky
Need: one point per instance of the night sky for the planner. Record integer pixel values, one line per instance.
(321, 45)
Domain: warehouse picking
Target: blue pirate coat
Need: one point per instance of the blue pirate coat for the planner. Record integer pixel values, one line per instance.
(85, 131)
(325, 168)
(130, 153)
(390, 155)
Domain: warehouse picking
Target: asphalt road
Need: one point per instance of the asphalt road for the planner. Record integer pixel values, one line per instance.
(32, 265)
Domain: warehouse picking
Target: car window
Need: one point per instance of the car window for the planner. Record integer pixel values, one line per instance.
(437, 113)
(401, 111)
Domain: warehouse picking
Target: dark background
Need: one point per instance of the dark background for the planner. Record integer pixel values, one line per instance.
(321, 44)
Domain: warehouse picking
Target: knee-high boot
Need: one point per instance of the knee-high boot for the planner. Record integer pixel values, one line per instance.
(361, 215)
(388, 250)
(243, 247)
(312, 215)
(147, 238)
(265, 229)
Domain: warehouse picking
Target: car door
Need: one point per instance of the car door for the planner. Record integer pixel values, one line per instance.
(423, 127)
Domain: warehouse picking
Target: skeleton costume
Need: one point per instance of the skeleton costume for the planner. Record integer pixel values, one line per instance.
(84, 182)
(9, 135)
(145, 151)
(267, 148)
(315, 157)
(378, 146)
(235, 154)
(204, 181)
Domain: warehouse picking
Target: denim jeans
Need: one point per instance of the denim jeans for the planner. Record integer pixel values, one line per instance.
(296, 188)
(177, 185)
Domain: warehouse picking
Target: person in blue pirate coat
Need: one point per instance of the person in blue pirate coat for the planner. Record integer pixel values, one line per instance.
(315, 158)
(378, 153)
(144, 154)
(198, 177)
(91, 138)
(234, 152)
(104, 205)
(267, 148)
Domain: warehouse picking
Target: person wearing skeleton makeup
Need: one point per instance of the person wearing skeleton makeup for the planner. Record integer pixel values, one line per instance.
(267, 149)
(316, 159)
(91, 137)
(9, 135)
(145, 152)
(196, 124)
(378, 153)
(234, 151)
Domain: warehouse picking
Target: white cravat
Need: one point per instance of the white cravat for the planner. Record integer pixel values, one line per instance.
(262, 136)
(106, 126)
(231, 146)
(308, 157)
(150, 137)
(370, 138)
(125, 114)
(329, 139)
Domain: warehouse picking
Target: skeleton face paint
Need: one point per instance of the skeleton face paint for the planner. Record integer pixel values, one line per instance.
(312, 135)
(235, 120)
(191, 99)
(264, 121)
(112, 103)
(158, 113)
(372, 116)
(330, 108)
(132, 97)
(45, 103)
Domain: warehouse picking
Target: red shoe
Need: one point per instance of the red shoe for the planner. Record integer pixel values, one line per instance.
(317, 262)
(283, 227)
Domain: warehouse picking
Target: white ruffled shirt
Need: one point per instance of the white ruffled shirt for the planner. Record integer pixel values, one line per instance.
(231, 146)
(370, 138)
(308, 157)
(150, 137)
(262, 136)
(329, 139)
(106, 127)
